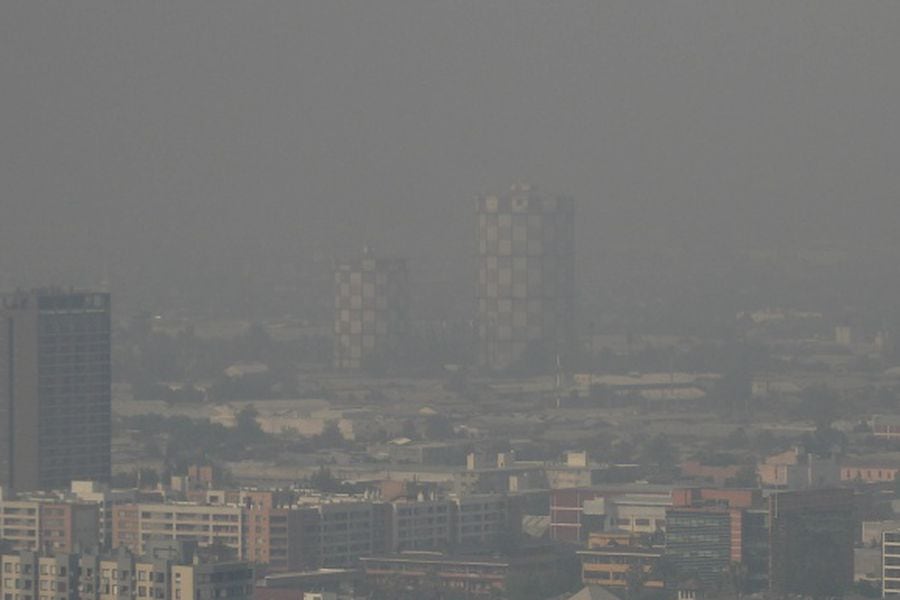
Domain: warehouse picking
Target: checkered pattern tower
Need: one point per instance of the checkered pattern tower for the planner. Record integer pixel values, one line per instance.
(526, 279)
(371, 311)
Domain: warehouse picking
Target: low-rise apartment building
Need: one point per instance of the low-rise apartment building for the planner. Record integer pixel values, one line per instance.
(611, 556)
(36, 524)
(309, 532)
(890, 563)
(137, 525)
(173, 573)
(638, 508)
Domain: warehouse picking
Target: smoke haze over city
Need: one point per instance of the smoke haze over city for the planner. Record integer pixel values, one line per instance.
(173, 150)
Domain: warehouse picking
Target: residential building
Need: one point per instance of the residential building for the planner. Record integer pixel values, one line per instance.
(136, 525)
(55, 407)
(178, 573)
(48, 524)
(869, 470)
(480, 520)
(371, 311)
(526, 279)
(106, 500)
(886, 426)
(575, 513)
(344, 531)
(421, 525)
(890, 563)
(811, 534)
(289, 532)
(611, 558)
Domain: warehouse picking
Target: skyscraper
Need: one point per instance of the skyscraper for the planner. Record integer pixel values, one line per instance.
(811, 535)
(371, 311)
(55, 406)
(526, 278)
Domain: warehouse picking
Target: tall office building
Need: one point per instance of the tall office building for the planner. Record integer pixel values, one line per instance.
(55, 406)
(811, 535)
(371, 311)
(526, 278)
(709, 529)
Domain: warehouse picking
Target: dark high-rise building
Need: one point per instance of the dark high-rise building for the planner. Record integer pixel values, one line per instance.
(55, 406)
(526, 279)
(811, 536)
(371, 311)
(708, 530)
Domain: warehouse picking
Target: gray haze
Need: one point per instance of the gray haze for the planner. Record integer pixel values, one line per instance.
(180, 149)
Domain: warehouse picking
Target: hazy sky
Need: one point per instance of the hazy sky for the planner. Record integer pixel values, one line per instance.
(191, 142)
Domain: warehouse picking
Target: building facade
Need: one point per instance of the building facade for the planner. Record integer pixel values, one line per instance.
(811, 536)
(371, 311)
(56, 526)
(170, 575)
(709, 529)
(291, 534)
(611, 558)
(526, 279)
(55, 399)
(890, 563)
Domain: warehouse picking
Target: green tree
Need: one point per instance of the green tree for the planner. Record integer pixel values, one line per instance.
(248, 428)
(746, 477)
(819, 404)
(660, 452)
(438, 427)
(331, 436)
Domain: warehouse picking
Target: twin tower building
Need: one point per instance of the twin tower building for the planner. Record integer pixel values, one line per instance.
(55, 380)
(525, 290)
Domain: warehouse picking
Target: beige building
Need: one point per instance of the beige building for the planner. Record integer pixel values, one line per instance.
(137, 525)
(371, 311)
(32, 525)
(526, 278)
(797, 469)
